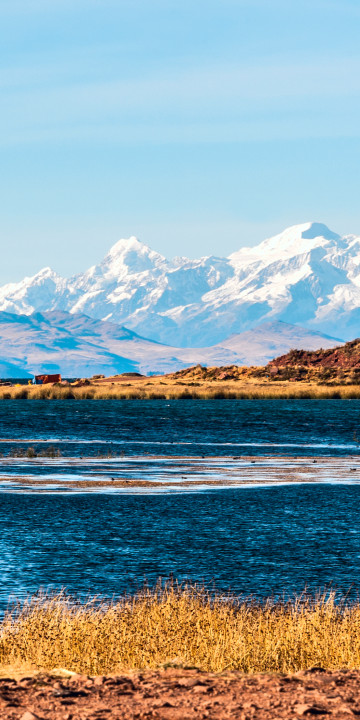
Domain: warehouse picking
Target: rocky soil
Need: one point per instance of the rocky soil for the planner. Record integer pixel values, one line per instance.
(207, 374)
(183, 694)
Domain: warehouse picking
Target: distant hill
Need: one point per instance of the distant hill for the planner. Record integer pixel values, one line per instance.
(79, 346)
(345, 357)
(336, 365)
(267, 340)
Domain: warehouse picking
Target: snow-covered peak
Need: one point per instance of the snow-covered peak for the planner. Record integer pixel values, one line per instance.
(125, 245)
(315, 230)
(130, 256)
(299, 239)
(295, 240)
(38, 292)
(45, 274)
(29, 281)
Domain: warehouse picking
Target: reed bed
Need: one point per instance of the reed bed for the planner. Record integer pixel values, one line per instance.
(215, 391)
(181, 626)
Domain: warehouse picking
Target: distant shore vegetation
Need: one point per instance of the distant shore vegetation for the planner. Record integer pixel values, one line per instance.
(229, 382)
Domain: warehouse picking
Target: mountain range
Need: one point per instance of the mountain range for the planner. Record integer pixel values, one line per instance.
(307, 276)
(77, 345)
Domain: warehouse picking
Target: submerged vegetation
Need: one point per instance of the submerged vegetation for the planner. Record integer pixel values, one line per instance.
(31, 452)
(184, 626)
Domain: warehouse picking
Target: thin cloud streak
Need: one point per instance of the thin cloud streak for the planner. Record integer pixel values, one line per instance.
(327, 78)
(229, 102)
(199, 134)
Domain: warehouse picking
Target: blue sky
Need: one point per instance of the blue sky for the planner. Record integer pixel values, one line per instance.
(198, 126)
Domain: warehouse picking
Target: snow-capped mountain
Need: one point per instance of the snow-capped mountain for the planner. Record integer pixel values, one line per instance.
(77, 345)
(307, 275)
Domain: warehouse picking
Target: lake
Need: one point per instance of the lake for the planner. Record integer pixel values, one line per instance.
(257, 540)
(184, 427)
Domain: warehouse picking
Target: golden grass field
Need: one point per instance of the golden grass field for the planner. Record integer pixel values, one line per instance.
(192, 384)
(180, 626)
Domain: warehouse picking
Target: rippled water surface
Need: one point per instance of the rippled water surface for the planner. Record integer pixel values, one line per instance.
(260, 541)
(252, 540)
(184, 427)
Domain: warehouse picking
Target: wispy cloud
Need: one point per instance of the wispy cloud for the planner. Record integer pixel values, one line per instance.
(213, 103)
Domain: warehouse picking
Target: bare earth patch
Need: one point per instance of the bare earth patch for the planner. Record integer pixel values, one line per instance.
(183, 694)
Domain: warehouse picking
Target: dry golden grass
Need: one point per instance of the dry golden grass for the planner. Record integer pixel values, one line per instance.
(181, 626)
(152, 388)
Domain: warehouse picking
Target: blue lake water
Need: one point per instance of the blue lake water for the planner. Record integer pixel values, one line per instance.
(250, 540)
(184, 427)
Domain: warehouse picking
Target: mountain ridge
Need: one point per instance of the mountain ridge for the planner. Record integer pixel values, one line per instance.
(307, 276)
(77, 345)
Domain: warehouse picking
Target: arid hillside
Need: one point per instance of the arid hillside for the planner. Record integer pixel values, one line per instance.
(345, 357)
(338, 365)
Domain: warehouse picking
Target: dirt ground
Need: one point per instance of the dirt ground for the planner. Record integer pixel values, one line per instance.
(182, 694)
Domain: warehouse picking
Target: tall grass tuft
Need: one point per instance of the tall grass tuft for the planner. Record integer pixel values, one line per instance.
(181, 625)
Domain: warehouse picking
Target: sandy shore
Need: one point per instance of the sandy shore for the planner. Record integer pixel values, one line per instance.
(182, 694)
(171, 474)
